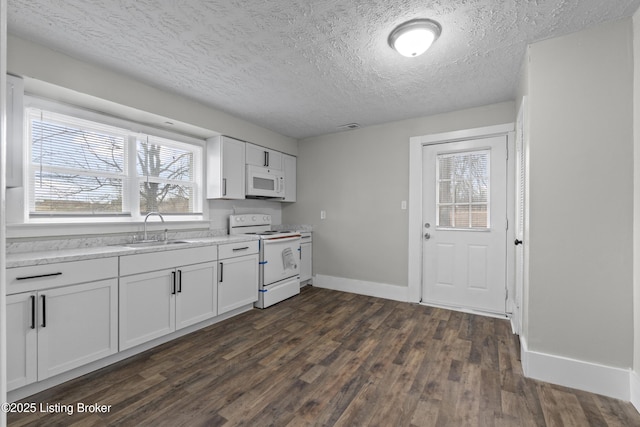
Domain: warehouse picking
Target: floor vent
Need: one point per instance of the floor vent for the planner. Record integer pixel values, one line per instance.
(349, 126)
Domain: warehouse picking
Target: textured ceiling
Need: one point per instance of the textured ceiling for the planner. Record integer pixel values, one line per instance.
(304, 67)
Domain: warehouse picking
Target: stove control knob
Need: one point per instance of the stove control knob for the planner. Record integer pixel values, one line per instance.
(265, 218)
(253, 218)
(241, 219)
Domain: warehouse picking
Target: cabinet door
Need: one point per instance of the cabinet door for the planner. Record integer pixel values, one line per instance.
(289, 178)
(197, 297)
(77, 325)
(256, 155)
(274, 160)
(147, 307)
(233, 169)
(237, 282)
(22, 340)
(306, 255)
(225, 168)
(260, 156)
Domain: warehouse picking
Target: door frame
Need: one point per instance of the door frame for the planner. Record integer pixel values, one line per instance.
(415, 201)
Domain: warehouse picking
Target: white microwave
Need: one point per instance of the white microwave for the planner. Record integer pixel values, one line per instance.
(264, 182)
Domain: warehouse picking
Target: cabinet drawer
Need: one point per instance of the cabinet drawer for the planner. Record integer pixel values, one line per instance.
(26, 279)
(231, 250)
(152, 261)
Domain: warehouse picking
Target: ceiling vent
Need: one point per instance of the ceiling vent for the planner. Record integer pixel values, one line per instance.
(349, 126)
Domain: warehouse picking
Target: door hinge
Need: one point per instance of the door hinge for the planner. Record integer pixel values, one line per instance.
(507, 223)
(506, 295)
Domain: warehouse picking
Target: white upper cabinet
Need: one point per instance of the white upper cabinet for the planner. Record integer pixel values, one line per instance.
(289, 178)
(225, 168)
(15, 93)
(260, 156)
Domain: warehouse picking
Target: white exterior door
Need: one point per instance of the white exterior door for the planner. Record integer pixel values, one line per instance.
(464, 224)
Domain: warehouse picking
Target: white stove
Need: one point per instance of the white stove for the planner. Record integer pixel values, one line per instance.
(279, 257)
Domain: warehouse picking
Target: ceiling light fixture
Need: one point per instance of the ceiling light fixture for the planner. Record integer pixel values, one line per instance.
(414, 37)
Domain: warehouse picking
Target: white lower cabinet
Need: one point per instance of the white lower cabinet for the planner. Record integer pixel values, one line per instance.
(55, 330)
(147, 307)
(22, 340)
(156, 303)
(197, 296)
(237, 275)
(306, 257)
(160, 302)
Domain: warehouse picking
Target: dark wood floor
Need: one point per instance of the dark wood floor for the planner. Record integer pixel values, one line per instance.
(328, 358)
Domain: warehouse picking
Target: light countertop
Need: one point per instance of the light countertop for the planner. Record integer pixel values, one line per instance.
(27, 259)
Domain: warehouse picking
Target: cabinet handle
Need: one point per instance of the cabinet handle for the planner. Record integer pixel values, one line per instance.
(266, 159)
(180, 281)
(39, 276)
(33, 311)
(173, 283)
(305, 237)
(44, 311)
(221, 270)
(224, 186)
(300, 251)
(244, 248)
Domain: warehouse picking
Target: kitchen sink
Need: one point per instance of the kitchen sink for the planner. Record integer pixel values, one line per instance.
(144, 244)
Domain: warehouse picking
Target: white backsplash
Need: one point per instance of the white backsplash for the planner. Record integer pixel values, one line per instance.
(219, 210)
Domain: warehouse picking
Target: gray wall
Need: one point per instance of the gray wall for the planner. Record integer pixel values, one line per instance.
(636, 191)
(581, 196)
(359, 178)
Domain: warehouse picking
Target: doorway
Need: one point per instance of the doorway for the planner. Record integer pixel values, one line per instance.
(461, 206)
(465, 224)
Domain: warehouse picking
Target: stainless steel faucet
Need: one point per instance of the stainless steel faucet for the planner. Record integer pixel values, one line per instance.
(145, 221)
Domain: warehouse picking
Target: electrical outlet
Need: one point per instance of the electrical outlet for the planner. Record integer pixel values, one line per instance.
(403, 205)
(323, 214)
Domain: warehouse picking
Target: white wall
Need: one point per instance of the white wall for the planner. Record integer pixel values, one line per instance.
(581, 196)
(359, 178)
(32, 60)
(636, 192)
(3, 140)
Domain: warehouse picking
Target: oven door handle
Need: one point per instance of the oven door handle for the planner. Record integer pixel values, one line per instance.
(280, 239)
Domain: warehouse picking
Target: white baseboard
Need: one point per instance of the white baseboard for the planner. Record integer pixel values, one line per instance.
(362, 287)
(564, 371)
(635, 389)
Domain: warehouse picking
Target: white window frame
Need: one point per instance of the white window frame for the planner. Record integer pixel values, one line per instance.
(454, 203)
(131, 197)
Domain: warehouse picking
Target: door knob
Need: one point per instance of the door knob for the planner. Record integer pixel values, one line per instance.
(427, 236)
(517, 242)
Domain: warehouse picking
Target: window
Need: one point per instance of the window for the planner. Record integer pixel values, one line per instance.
(165, 174)
(463, 190)
(83, 168)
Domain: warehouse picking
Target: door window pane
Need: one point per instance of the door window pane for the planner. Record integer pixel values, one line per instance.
(462, 197)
